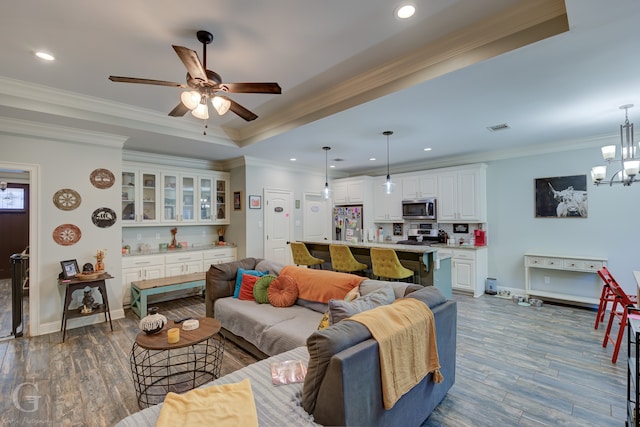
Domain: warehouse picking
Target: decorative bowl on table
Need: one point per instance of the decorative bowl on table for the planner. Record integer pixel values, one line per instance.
(89, 276)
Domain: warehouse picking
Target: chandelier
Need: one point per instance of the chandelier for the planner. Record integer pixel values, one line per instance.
(629, 159)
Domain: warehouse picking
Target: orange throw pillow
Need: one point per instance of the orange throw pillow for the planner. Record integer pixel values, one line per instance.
(246, 289)
(283, 291)
(321, 285)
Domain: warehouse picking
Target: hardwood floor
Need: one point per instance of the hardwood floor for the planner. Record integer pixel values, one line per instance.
(516, 366)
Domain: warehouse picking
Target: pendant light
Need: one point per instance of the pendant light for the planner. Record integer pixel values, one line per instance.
(388, 185)
(326, 192)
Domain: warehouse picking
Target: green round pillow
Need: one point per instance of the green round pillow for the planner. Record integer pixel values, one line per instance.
(261, 288)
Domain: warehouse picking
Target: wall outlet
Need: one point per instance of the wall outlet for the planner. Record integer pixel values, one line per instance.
(139, 236)
(547, 280)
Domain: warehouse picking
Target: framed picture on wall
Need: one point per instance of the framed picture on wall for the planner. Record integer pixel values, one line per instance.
(255, 202)
(237, 200)
(561, 197)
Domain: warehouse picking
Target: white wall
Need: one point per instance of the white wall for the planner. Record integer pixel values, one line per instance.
(258, 176)
(65, 158)
(610, 230)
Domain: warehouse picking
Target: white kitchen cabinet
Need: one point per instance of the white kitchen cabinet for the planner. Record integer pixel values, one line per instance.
(221, 205)
(139, 268)
(420, 186)
(140, 197)
(387, 207)
(348, 191)
(181, 263)
(468, 269)
(217, 256)
(462, 194)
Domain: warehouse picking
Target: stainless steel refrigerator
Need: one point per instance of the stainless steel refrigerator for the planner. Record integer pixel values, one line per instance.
(347, 223)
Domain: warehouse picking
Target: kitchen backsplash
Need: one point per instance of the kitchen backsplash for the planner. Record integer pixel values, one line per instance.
(459, 231)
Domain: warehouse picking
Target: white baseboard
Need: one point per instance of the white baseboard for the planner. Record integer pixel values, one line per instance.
(52, 327)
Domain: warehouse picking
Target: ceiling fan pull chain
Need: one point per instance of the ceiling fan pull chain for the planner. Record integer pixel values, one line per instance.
(206, 125)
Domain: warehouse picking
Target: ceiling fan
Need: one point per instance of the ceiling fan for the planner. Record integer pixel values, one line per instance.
(205, 85)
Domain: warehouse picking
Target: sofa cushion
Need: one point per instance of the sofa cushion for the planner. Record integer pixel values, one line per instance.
(429, 295)
(340, 309)
(246, 289)
(401, 289)
(321, 285)
(241, 272)
(283, 291)
(271, 329)
(261, 288)
(273, 267)
(312, 305)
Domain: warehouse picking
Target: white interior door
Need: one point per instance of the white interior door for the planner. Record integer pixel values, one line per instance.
(278, 210)
(316, 217)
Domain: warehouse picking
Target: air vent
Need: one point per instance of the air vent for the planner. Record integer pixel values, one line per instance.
(338, 160)
(496, 128)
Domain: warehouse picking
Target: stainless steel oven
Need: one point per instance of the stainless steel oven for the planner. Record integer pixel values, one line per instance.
(422, 209)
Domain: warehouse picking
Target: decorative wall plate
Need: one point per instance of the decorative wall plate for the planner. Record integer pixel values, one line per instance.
(67, 199)
(103, 217)
(67, 234)
(102, 178)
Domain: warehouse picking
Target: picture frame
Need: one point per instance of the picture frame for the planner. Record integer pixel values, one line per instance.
(69, 268)
(255, 202)
(561, 197)
(237, 200)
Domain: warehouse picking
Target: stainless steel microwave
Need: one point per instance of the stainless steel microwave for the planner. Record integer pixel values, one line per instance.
(423, 209)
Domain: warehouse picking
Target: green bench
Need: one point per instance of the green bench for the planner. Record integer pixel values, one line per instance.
(141, 289)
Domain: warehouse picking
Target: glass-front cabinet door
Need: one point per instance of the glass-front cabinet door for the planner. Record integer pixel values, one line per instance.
(169, 198)
(221, 206)
(149, 197)
(188, 199)
(129, 195)
(139, 197)
(206, 196)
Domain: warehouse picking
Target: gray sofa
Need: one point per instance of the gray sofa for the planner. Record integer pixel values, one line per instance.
(342, 386)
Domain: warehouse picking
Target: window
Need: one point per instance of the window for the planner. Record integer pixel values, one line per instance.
(12, 199)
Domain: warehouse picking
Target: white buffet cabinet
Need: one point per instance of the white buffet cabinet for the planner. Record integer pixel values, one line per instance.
(566, 278)
(153, 266)
(469, 267)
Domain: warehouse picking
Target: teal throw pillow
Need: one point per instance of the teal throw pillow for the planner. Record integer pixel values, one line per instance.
(241, 271)
(261, 289)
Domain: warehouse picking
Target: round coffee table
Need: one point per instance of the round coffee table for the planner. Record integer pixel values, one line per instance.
(159, 367)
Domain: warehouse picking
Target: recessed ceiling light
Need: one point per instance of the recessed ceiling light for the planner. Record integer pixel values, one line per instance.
(427, 149)
(46, 56)
(405, 11)
(332, 166)
(293, 159)
(372, 158)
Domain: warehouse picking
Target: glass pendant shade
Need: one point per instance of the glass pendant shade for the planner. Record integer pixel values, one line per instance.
(201, 112)
(190, 99)
(598, 173)
(326, 193)
(631, 167)
(221, 104)
(628, 160)
(388, 185)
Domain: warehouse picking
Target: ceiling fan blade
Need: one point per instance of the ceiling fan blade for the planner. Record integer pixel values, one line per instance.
(191, 61)
(240, 110)
(179, 111)
(145, 81)
(252, 88)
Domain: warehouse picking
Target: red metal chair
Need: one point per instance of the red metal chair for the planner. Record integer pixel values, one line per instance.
(619, 310)
(607, 296)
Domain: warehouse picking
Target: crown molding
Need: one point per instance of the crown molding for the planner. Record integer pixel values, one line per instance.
(145, 158)
(30, 129)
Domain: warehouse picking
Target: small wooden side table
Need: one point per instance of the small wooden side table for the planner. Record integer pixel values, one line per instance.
(75, 284)
(158, 367)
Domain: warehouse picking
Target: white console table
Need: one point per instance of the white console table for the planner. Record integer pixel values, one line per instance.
(576, 264)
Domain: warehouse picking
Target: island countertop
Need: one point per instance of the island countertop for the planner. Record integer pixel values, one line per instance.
(418, 249)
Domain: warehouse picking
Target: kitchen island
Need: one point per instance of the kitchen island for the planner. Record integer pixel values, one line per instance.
(423, 260)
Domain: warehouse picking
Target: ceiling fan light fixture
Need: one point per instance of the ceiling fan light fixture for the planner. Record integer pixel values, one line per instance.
(190, 99)
(201, 112)
(221, 104)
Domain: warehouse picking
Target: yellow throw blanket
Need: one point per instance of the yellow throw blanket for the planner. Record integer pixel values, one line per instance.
(227, 405)
(406, 335)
